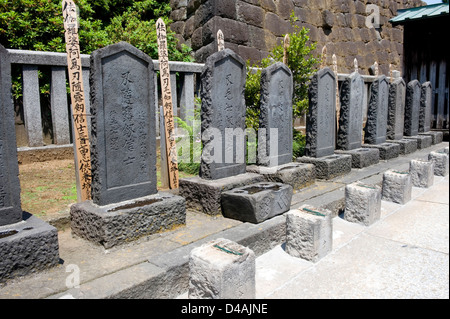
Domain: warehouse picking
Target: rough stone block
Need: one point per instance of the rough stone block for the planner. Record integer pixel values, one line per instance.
(422, 173)
(387, 150)
(205, 195)
(407, 146)
(257, 202)
(363, 157)
(26, 247)
(423, 141)
(362, 203)
(122, 222)
(298, 175)
(397, 187)
(436, 137)
(309, 233)
(222, 269)
(440, 161)
(329, 167)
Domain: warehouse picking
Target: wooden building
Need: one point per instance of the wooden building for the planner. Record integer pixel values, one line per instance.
(426, 54)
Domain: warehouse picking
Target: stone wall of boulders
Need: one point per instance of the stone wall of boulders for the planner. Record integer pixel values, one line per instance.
(253, 27)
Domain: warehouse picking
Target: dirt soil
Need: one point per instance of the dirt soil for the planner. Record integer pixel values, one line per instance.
(48, 189)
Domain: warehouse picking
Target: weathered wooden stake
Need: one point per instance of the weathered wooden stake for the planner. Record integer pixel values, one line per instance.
(220, 41)
(171, 146)
(324, 57)
(287, 43)
(81, 134)
(338, 108)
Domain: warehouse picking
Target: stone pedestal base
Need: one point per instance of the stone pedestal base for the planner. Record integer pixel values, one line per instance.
(222, 269)
(309, 233)
(436, 136)
(397, 187)
(440, 161)
(204, 196)
(328, 167)
(297, 175)
(362, 203)
(387, 150)
(422, 173)
(423, 141)
(126, 221)
(407, 146)
(362, 157)
(257, 202)
(26, 247)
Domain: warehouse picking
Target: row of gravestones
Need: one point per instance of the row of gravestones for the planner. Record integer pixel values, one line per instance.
(125, 202)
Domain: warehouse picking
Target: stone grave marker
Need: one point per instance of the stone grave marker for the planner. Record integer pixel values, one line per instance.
(321, 126)
(276, 133)
(425, 115)
(124, 186)
(276, 113)
(10, 208)
(396, 117)
(412, 114)
(27, 244)
(377, 117)
(124, 143)
(351, 123)
(223, 165)
(223, 116)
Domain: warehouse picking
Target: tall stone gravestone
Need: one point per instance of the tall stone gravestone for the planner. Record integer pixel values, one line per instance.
(425, 114)
(321, 128)
(377, 117)
(223, 165)
(125, 202)
(349, 139)
(27, 244)
(275, 140)
(396, 117)
(412, 114)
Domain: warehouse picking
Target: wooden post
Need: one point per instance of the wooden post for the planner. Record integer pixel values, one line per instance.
(338, 107)
(220, 41)
(287, 43)
(171, 147)
(324, 57)
(355, 64)
(81, 134)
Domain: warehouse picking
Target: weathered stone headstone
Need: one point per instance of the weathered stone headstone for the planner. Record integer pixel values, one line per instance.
(276, 113)
(351, 120)
(10, 208)
(351, 123)
(396, 117)
(425, 117)
(223, 116)
(321, 128)
(425, 107)
(320, 125)
(412, 108)
(27, 244)
(377, 117)
(125, 203)
(276, 133)
(376, 127)
(124, 142)
(412, 114)
(396, 109)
